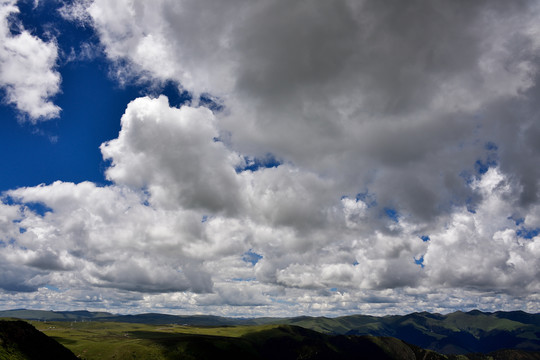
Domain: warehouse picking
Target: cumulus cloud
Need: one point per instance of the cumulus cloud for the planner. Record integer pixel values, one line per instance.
(186, 166)
(156, 232)
(370, 94)
(459, 251)
(91, 230)
(404, 146)
(27, 68)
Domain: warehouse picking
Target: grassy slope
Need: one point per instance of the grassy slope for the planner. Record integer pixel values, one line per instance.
(20, 340)
(453, 333)
(104, 340)
(458, 332)
(101, 340)
(109, 340)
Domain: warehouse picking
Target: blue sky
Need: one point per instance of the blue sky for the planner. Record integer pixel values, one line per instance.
(67, 148)
(268, 158)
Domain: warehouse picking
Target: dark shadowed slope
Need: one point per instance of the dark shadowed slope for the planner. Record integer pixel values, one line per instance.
(21, 341)
(455, 333)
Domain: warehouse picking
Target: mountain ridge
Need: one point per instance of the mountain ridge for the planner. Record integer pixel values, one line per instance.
(20, 340)
(454, 333)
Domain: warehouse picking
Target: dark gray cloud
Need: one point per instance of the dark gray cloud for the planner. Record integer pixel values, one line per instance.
(17, 278)
(392, 121)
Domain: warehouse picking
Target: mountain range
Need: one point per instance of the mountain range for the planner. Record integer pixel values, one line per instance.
(454, 333)
(20, 340)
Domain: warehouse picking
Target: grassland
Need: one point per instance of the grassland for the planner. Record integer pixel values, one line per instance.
(93, 335)
(114, 340)
(119, 340)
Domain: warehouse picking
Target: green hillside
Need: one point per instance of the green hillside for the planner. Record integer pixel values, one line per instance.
(455, 333)
(109, 340)
(21, 341)
(105, 340)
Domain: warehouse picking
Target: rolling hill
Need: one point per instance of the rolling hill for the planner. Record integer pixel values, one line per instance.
(454, 333)
(109, 340)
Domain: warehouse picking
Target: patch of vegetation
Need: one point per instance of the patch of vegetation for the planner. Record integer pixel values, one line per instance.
(21, 341)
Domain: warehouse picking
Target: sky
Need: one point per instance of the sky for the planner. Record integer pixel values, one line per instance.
(268, 157)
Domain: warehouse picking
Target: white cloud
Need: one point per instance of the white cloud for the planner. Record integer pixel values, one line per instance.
(106, 238)
(318, 253)
(483, 249)
(355, 92)
(391, 123)
(75, 11)
(27, 69)
(186, 166)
